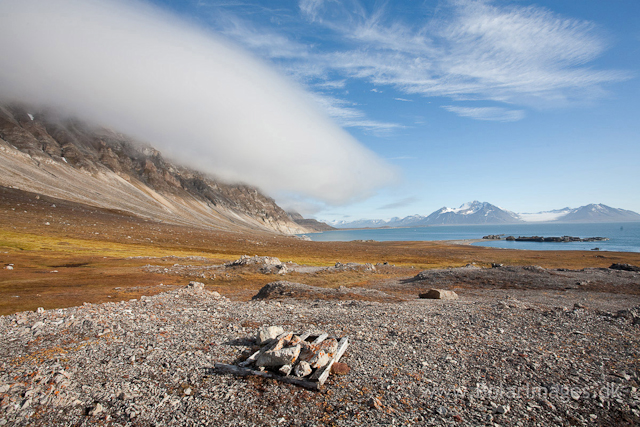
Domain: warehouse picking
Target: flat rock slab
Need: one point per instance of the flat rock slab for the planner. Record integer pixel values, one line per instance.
(439, 294)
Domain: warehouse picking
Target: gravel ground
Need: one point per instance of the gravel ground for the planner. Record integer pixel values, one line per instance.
(488, 358)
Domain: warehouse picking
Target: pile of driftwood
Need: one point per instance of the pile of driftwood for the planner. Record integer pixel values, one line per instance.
(305, 360)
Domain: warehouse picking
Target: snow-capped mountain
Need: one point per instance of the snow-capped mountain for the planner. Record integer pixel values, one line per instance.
(485, 213)
(599, 213)
(472, 213)
(469, 213)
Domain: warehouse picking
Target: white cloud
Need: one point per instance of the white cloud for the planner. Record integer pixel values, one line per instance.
(346, 115)
(310, 8)
(403, 99)
(332, 84)
(495, 114)
(192, 95)
(473, 49)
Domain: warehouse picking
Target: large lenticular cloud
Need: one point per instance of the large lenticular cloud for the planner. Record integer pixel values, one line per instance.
(194, 96)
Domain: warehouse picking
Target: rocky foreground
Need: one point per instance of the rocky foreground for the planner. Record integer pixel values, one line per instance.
(487, 358)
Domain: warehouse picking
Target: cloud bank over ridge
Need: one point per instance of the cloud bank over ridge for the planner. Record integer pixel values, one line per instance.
(194, 96)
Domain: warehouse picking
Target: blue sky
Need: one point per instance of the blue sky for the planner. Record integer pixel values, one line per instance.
(530, 105)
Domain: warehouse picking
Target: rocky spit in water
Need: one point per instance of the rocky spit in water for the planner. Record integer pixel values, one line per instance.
(487, 358)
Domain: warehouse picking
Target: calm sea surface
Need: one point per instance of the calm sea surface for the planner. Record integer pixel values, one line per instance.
(623, 237)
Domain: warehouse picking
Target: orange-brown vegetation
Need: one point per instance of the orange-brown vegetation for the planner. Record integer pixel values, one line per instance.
(65, 253)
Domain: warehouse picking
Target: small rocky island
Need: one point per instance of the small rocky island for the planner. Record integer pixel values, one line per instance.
(557, 239)
(546, 239)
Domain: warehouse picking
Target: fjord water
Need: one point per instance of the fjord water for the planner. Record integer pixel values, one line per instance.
(623, 237)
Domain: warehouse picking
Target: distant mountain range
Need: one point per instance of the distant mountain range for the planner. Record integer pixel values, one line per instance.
(477, 213)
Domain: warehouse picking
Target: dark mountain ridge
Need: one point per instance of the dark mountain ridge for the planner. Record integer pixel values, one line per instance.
(73, 160)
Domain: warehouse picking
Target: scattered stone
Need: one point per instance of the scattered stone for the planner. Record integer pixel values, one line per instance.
(156, 365)
(547, 405)
(340, 368)
(501, 409)
(375, 403)
(98, 409)
(196, 286)
(439, 294)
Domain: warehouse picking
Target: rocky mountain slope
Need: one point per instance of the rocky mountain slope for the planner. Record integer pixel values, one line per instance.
(308, 223)
(74, 161)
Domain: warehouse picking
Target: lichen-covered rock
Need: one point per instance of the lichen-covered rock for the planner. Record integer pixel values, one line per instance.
(302, 369)
(279, 357)
(319, 360)
(329, 346)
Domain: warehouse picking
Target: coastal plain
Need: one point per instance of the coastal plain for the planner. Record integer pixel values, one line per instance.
(101, 326)
(63, 254)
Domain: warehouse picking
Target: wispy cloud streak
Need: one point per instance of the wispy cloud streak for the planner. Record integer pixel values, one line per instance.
(347, 115)
(470, 50)
(399, 204)
(495, 114)
(480, 51)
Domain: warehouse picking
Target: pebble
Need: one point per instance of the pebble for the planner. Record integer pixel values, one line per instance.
(150, 362)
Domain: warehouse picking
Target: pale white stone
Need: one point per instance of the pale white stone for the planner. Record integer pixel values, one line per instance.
(268, 333)
(302, 369)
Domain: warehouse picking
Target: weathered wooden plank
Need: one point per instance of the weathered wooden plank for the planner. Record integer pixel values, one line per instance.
(322, 374)
(320, 339)
(305, 335)
(283, 335)
(237, 370)
(251, 358)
